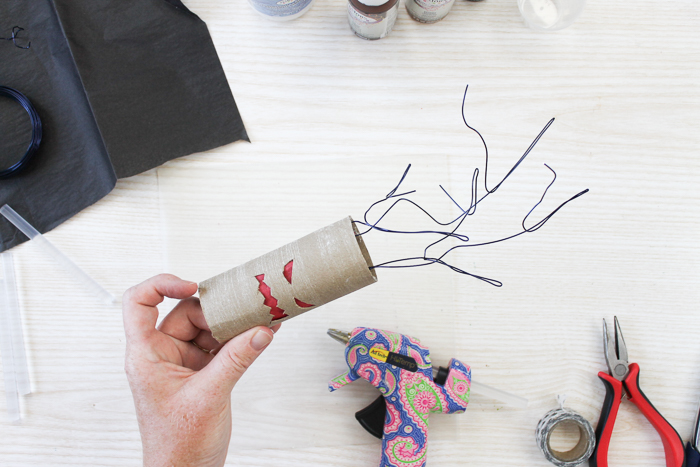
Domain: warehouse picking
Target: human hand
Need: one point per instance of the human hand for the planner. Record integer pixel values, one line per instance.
(182, 393)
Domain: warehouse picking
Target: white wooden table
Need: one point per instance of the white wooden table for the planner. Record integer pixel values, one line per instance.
(334, 121)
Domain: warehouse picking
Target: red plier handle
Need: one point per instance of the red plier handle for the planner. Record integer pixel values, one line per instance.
(673, 444)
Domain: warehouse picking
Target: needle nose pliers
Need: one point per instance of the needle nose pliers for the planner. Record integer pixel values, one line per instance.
(624, 379)
(692, 453)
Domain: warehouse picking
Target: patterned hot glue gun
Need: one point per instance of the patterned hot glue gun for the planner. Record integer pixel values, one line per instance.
(399, 366)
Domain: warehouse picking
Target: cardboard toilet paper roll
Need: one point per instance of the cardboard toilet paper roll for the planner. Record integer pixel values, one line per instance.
(302, 275)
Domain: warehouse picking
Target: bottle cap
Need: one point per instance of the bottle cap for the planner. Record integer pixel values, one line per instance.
(374, 2)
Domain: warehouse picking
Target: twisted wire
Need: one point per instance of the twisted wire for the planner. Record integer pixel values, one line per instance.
(35, 141)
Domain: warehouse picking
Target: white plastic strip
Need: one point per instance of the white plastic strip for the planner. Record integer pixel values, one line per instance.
(56, 254)
(14, 357)
(499, 395)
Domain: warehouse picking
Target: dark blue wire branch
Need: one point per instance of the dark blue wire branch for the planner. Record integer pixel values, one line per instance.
(15, 32)
(426, 259)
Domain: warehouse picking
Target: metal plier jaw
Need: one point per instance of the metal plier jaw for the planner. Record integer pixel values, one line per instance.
(616, 352)
(624, 379)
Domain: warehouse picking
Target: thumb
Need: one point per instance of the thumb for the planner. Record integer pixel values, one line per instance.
(235, 357)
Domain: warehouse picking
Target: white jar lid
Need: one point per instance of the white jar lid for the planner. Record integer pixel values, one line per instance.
(373, 2)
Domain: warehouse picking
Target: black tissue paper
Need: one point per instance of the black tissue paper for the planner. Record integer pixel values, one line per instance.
(121, 86)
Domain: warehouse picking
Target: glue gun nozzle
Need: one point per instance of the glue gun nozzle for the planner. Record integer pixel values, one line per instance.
(341, 336)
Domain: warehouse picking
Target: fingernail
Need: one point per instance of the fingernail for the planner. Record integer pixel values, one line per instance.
(260, 340)
(193, 283)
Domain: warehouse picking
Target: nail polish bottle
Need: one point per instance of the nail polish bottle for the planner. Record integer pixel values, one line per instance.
(281, 10)
(428, 11)
(372, 19)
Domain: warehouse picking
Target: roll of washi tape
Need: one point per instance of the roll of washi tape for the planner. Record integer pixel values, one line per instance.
(579, 453)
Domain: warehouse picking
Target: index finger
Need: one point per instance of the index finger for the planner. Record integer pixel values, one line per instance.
(185, 321)
(139, 304)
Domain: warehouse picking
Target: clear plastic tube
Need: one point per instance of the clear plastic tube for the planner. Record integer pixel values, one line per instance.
(14, 357)
(499, 395)
(56, 254)
(476, 387)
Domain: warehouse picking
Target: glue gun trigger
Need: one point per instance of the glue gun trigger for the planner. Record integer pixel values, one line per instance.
(372, 417)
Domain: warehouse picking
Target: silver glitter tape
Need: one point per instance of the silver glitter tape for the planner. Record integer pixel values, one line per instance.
(581, 452)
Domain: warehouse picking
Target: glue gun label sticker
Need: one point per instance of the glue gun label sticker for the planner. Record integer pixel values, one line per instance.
(393, 358)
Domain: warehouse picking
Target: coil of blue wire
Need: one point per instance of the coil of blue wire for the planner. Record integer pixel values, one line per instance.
(35, 141)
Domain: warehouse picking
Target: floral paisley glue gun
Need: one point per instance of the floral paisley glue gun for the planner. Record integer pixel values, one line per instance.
(399, 366)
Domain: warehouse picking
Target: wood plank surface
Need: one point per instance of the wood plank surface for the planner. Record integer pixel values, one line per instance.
(334, 121)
